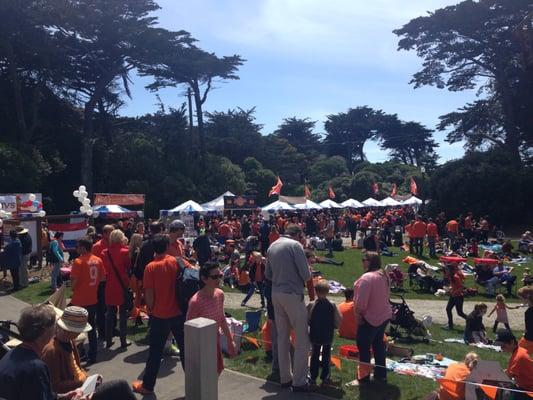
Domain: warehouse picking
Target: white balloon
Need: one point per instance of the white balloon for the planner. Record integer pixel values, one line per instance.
(1, 223)
(86, 202)
(82, 209)
(32, 197)
(83, 194)
(82, 188)
(42, 213)
(0, 206)
(76, 193)
(89, 212)
(96, 214)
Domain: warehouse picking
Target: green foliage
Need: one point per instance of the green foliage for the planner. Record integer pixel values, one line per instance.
(327, 168)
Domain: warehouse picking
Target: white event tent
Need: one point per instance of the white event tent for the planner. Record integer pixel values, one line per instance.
(308, 205)
(413, 201)
(351, 203)
(390, 202)
(276, 206)
(370, 202)
(218, 203)
(189, 206)
(330, 204)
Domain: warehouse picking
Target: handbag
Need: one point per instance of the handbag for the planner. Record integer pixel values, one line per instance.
(127, 293)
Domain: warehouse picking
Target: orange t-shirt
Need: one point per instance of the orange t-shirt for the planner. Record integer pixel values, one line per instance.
(176, 249)
(160, 275)
(456, 284)
(452, 226)
(348, 326)
(432, 229)
(224, 230)
(520, 367)
(244, 279)
(99, 247)
(88, 270)
(418, 229)
(454, 390)
(409, 230)
(272, 237)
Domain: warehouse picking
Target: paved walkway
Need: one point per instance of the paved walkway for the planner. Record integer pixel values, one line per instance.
(129, 365)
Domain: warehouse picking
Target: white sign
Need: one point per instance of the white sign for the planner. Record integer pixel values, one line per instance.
(9, 203)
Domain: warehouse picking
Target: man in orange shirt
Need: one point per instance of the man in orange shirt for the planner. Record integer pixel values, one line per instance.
(159, 282)
(520, 367)
(97, 250)
(87, 273)
(225, 232)
(452, 228)
(432, 232)
(418, 229)
(176, 229)
(348, 326)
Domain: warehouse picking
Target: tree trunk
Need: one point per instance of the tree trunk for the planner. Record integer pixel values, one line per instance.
(87, 144)
(199, 116)
(17, 92)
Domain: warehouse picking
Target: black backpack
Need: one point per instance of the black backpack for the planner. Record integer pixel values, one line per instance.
(187, 284)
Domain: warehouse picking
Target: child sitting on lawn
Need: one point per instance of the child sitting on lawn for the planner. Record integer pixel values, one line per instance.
(323, 319)
(475, 330)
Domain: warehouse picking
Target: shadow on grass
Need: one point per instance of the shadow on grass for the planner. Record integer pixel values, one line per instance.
(382, 391)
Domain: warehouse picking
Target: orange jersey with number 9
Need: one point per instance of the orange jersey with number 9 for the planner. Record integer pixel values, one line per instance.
(88, 271)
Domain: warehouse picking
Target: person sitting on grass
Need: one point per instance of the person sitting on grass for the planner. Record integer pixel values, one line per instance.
(520, 367)
(348, 327)
(452, 386)
(475, 330)
(337, 243)
(323, 319)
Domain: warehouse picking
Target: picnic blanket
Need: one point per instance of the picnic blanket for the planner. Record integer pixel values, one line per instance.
(478, 345)
(424, 370)
(335, 287)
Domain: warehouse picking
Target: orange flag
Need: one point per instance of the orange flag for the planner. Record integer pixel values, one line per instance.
(307, 192)
(276, 189)
(413, 187)
(331, 193)
(490, 391)
(252, 341)
(336, 361)
(394, 191)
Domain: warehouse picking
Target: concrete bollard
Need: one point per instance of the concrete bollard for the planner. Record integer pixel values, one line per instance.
(201, 378)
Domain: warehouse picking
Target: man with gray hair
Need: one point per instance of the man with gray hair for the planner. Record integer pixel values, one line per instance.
(288, 271)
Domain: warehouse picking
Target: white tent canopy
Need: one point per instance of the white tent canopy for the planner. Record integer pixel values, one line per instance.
(370, 202)
(352, 203)
(390, 202)
(413, 200)
(189, 206)
(218, 203)
(330, 204)
(308, 205)
(277, 205)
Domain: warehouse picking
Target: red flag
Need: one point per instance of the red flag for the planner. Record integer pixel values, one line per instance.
(307, 192)
(276, 189)
(331, 193)
(394, 191)
(375, 188)
(414, 188)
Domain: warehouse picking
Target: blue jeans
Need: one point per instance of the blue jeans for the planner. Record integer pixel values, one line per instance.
(431, 245)
(251, 291)
(372, 336)
(56, 266)
(329, 245)
(159, 331)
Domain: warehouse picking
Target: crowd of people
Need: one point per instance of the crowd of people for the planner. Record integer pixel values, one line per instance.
(125, 270)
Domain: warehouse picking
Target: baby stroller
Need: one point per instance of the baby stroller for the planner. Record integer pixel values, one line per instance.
(403, 324)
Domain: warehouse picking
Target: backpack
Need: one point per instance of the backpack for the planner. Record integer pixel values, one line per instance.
(187, 284)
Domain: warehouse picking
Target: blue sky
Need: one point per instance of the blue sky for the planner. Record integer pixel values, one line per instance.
(309, 58)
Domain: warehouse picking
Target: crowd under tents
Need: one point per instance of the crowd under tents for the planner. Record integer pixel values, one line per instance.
(390, 202)
(278, 206)
(190, 206)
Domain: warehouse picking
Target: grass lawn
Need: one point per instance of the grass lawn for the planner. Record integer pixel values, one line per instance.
(352, 269)
(252, 361)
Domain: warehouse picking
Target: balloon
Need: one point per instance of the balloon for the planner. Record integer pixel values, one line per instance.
(32, 197)
(83, 194)
(76, 193)
(42, 213)
(82, 188)
(89, 212)
(86, 202)
(96, 214)
(1, 223)
(82, 209)
(0, 206)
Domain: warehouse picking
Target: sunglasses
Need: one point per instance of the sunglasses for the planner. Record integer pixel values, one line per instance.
(215, 277)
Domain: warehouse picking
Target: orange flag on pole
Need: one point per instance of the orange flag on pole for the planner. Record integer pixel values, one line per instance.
(276, 189)
(331, 193)
(394, 191)
(336, 361)
(413, 187)
(307, 192)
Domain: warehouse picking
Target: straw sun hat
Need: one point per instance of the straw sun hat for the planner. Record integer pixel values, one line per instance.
(74, 319)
